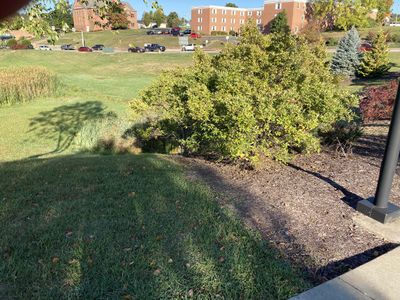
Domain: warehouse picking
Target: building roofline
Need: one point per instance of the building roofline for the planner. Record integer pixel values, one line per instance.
(286, 1)
(225, 7)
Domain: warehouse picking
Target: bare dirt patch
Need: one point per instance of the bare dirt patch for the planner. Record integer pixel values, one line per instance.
(306, 208)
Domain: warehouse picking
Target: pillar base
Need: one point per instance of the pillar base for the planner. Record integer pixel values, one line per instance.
(383, 215)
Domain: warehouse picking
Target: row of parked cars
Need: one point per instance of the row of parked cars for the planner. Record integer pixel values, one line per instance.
(175, 32)
(70, 47)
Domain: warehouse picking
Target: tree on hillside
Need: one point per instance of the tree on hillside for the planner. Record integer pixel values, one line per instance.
(173, 20)
(280, 24)
(230, 4)
(343, 14)
(159, 17)
(61, 18)
(118, 19)
(347, 58)
(147, 18)
(375, 63)
(384, 9)
(37, 19)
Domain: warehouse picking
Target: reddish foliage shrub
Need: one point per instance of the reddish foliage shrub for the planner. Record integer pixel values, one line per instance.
(377, 102)
(19, 47)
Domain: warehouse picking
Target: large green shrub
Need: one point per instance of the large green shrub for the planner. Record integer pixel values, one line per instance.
(270, 95)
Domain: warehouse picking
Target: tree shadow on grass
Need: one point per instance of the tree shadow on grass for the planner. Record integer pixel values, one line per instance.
(106, 227)
(63, 123)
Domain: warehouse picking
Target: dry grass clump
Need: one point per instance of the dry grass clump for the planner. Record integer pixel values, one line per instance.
(23, 84)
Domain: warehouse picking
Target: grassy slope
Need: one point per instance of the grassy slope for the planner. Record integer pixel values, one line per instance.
(363, 33)
(103, 82)
(77, 226)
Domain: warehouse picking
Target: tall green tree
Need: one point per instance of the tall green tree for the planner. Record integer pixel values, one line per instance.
(147, 18)
(173, 20)
(61, 17)
(159, 17)
(230, 4)
(375, 63)
(343, 14)
(280, 24)
(347, 57)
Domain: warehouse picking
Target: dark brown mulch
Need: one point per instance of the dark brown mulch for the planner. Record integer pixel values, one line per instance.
(306, 209)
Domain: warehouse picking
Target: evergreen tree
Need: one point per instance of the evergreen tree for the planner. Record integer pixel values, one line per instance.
(347, 57)
(280, 24)
(375, 63)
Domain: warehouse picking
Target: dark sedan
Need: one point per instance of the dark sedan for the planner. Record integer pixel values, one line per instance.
(154, 48)
(98, 47)
(85, 49)
(136, 50)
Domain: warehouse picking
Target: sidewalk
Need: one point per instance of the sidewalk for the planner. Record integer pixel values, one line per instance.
(377, 280)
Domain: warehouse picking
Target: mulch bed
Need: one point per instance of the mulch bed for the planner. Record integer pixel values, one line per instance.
(306, 208)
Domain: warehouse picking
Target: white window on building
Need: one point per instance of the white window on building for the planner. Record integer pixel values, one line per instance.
(233, 12)
(224, 11)
(296, 29)
(242, 13)
(258, 21)
(241, 21)
(233, 21)
(278, 5)
(250, 13)
(199, 11)
(303, 17)
(223, 20)
(223, 28)
(214, 11)
(259, 13)
(200, 20)
(199, 28)
(214, 28)
(213, 20)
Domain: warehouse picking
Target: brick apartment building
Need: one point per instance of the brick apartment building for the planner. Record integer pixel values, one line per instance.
(206, 19)
(86, 19)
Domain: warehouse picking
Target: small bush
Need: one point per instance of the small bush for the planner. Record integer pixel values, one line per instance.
(25, 42)
(106, 135)
(375, 63)
(12, 43)
(24, 84)
(377, 102)
(218, 33)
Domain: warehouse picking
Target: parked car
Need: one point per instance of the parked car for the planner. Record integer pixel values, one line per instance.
(194, 35)
(365, 47)
(44, 48)
(67, 47)
(6, 37)
(187, 32)
(151, 32)
(176, 31)
(154, 48)
(98, 47)
(136, 50)
(189, 47)
(85, 49)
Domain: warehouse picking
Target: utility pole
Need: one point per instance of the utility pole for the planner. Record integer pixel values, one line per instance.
(83, 39)
(379, 208)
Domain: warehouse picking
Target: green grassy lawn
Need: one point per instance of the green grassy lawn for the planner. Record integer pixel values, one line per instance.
(104, 82)
(363, 32)
(86, 226)
(123, 38)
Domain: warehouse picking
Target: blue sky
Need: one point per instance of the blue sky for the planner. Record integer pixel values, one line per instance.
(183, 7)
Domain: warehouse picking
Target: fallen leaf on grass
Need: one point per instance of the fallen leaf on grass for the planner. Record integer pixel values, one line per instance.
(69, 233)
(55, 260)
(157, 272)
(190, 293)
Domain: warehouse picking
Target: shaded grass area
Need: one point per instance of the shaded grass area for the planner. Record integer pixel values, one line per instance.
(108, 82)
(106, 227)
